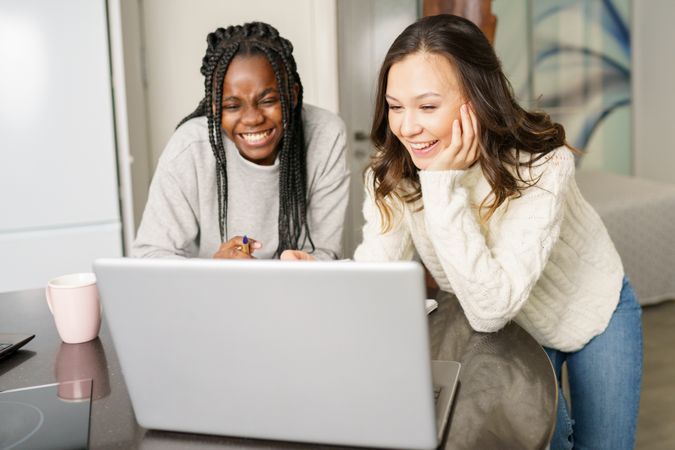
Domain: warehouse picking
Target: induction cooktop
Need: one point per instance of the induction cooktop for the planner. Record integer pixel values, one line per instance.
(53, 416)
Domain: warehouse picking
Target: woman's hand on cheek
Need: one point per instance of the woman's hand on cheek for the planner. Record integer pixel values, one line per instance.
(235, 249)
(463, 149)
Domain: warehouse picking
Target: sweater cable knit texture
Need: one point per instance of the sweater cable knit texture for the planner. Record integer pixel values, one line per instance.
(544, 259)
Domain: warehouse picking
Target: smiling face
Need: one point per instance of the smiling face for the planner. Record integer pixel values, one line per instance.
(252, 116)
(423, 97)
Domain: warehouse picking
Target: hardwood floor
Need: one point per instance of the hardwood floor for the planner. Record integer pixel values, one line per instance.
(656, 422)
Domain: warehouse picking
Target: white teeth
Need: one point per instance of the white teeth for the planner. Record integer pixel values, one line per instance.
(255, 137)
(421, 145)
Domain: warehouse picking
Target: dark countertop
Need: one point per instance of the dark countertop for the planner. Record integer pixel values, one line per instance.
(506, 397)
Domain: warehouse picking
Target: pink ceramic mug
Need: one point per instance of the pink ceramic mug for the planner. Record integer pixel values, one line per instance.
(74, 303)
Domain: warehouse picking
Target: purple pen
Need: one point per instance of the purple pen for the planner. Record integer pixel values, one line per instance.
(245, 248)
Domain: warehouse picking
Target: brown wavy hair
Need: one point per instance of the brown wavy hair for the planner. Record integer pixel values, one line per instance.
(503, 126)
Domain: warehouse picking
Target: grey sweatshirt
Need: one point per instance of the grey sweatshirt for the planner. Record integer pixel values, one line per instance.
(181, 215)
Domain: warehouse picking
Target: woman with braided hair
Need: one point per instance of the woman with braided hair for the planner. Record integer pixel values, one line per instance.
(251, 160)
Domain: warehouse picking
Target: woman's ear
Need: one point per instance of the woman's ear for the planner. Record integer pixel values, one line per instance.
(296, 91)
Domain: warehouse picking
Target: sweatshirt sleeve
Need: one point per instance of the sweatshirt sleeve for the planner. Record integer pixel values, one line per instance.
(169, 227)
(395, 244)
(328, 199)
(493, 278)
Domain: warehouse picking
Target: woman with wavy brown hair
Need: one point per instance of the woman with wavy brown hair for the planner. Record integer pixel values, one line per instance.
(484, 191)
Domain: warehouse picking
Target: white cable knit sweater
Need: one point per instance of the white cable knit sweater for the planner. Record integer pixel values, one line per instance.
(544, 260)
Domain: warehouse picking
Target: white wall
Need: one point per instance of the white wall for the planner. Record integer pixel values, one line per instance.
(654, 89)
(175, 40)
(137, 126)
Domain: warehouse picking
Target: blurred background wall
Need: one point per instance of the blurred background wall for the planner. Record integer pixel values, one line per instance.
(604, 68)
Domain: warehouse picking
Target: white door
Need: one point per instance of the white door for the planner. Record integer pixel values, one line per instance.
(366, 29)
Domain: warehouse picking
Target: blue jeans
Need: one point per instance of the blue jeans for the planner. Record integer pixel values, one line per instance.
(604, 378)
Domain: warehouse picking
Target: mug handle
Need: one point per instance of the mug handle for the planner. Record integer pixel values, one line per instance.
(49, 300)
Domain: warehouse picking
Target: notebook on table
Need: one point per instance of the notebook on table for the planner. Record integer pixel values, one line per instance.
(9, 343)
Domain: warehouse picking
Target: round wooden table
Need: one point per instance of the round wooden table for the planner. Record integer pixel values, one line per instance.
(506, 398)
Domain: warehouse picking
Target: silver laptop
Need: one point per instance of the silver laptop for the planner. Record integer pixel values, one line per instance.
(323, 352)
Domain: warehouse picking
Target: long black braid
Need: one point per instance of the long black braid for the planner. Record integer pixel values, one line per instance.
(251, 39)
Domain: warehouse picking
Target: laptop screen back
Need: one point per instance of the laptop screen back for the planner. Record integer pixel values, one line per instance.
(332, 352)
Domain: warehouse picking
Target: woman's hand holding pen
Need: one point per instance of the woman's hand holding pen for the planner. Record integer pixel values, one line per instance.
(463, 150)
(239, 247)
